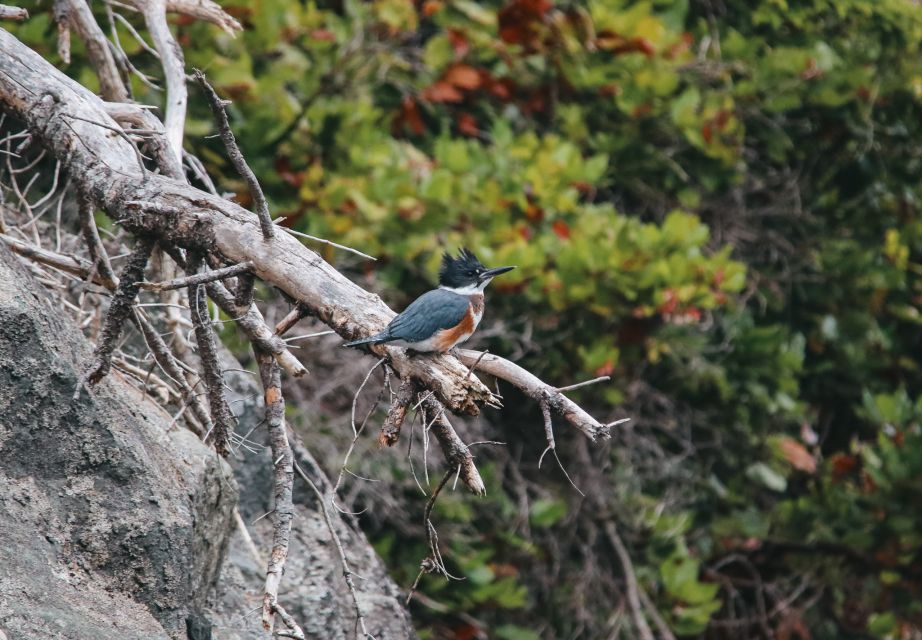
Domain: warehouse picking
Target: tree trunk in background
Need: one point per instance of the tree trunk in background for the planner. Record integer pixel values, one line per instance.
(116, 525)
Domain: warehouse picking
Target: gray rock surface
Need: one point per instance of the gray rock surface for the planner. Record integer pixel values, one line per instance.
(113, 524)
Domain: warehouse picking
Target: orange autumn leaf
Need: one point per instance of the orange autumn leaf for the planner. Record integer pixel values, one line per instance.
(442, 91)
(797, 455)
(431, 7)
(462, 76)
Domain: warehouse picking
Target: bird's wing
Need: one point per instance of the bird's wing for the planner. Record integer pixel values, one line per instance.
(432, 311)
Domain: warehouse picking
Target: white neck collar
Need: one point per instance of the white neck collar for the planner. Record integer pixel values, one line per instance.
(467, 290)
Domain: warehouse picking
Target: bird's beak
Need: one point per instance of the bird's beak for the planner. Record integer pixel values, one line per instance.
(492, 273)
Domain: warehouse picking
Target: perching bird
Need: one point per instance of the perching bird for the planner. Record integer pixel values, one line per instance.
(444, 317)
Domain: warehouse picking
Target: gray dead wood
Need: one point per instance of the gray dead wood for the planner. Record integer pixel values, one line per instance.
(221, 416)
(283, 465)
(177, 213)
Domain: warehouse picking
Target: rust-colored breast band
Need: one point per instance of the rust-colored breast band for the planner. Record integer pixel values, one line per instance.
(447, 338)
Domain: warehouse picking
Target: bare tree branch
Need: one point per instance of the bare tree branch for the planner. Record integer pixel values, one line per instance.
(390, 430)
(80, 18)
(181, 215)
(199, 278)
(236, 157)
(537, 389)
(250, 320)
(456, 452)
(221, 415)
(171, 57)
(13, 13)
(283, 465)
(205, 10)
(119, 310)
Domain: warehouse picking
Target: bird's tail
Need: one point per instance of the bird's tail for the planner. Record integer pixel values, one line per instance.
(378, 338)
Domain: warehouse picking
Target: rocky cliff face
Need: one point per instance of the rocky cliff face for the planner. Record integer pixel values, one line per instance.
(116, 523)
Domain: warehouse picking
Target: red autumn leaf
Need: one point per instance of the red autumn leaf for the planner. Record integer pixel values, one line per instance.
(692, 314)
(468, 125)
(534, 213)
(670, 302)
(707, 132)
(520, 22)
(644, 46)
(610, 90)
(431, 7)
(500, 89)
(606, 40)
(462, 76)
(409, 117)
(525, 232)
(459, 42)
(719, 277)
(843, 465)
(797, 455)
(617, 44)
(442, 91)
(642, 109)
(680, 47)
(561, 229)
(323, 34)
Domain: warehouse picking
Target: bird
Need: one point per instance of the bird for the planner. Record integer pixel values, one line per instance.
(444, 317)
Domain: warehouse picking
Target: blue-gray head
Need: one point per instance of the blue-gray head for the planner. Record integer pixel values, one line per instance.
(466, 274)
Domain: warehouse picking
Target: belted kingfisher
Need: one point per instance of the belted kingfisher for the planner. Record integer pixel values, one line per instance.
(443, 317)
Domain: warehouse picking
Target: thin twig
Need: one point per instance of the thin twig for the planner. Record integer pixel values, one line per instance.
(236, 157)
(294, 316)
(326, 242)
(433, 562)
(347, 572)
(456, 452)
(199, 278)
(585, 383)
(630, 580)
(93, 242)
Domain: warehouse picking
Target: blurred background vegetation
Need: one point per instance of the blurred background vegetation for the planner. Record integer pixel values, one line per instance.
(716, 202)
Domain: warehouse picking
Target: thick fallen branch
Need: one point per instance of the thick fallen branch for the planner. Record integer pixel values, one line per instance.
(178, 214)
